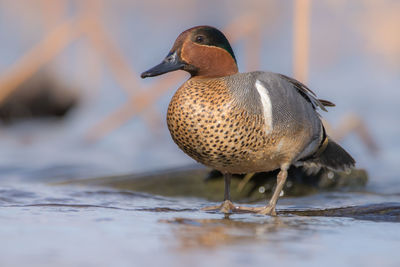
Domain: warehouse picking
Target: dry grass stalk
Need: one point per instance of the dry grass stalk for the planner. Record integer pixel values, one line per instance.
(301, 37)
(38, 56)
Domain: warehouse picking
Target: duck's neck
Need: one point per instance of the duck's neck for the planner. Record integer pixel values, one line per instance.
(210, 62)
(219, 66)
(215, 71)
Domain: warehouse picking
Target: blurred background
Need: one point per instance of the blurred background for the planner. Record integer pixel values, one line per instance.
(72, 103)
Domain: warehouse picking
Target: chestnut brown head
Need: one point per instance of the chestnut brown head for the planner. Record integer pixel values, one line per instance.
(201, 51)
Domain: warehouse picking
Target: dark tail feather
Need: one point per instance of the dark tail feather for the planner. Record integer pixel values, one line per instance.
(326, 103)
(333, 157)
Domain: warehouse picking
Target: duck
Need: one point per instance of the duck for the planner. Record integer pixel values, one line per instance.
(240, 123)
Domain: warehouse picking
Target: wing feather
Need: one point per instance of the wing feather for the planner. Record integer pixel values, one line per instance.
(309, 95)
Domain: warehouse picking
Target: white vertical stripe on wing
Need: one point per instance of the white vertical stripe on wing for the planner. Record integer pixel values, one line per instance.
(266, 105)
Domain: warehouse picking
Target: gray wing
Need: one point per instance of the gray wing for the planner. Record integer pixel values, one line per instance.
(289, 95)
(294, 107)
(305, 92)
(285, 92)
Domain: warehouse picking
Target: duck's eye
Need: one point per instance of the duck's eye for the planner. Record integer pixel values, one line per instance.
(199, 39)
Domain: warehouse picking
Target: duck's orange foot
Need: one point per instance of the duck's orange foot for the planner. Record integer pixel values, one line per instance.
(267, 210)
(226, 207)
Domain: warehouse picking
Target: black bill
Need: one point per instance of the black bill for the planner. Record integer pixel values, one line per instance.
(170, 63)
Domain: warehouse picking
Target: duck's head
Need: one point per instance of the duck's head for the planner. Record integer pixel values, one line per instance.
(202, 51)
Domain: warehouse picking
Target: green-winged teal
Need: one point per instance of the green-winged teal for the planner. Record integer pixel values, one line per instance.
(243, 122)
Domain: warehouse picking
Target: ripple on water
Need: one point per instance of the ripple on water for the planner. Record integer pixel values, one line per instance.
(15, 196)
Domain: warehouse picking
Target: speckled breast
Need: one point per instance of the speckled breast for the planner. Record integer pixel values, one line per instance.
(205, 123)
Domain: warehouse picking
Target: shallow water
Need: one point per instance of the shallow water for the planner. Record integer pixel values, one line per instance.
(44, 225)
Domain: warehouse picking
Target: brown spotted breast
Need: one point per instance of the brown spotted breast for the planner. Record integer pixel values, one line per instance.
(207, 124)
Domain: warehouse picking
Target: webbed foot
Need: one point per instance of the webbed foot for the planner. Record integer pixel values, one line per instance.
(226, 207)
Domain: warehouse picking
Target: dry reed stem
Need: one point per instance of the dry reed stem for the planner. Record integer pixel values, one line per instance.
(53, 12)
(38, 56)
(57, 40)
(121, 69)
(301, 37)
(135, 105)
(352, 123)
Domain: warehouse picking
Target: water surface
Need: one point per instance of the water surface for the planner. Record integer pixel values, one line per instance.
(44, 225)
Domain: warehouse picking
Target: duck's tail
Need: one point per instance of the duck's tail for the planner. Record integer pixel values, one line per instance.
(330, 155)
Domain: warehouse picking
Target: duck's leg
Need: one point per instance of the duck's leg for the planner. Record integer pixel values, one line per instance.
(227, 205)
(281, 179)
(270, 208)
